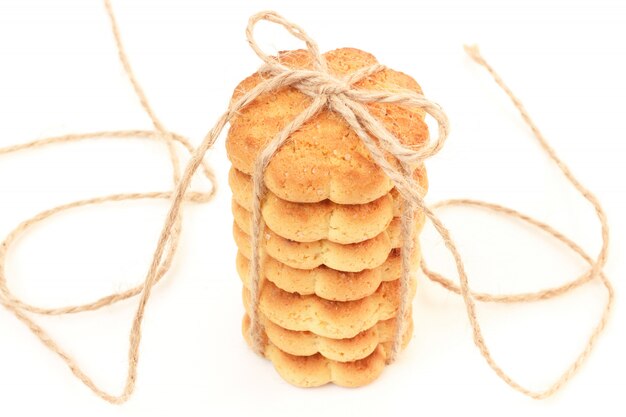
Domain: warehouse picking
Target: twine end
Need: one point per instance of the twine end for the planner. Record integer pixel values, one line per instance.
(474, 52)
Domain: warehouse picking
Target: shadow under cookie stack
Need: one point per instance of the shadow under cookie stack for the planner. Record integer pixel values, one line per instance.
(329, 291)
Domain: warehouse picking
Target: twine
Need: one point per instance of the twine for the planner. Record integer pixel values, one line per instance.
(340, 96)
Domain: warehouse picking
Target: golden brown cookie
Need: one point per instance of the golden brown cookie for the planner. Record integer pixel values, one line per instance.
(340, 350)
(243, 219)
(241, 187)
(317, 370)
(340, 224)
(353, 257)
(332, 319)
(326, 282)
(307, 222)
(324, 159)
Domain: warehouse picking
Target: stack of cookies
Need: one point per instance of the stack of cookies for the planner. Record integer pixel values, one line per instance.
(330, 251)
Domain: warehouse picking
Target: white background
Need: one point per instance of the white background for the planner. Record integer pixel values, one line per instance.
(59, 73)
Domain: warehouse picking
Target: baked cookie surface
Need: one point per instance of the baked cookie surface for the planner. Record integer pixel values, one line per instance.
(326, 282)
(324, 159)
(353, 257)
(307, 222)
(301, 343)
(331, 319)
(316, 370)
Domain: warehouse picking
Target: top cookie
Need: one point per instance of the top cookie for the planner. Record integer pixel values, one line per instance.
(324, 159)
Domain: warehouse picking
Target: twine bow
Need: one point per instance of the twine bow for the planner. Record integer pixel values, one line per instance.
(340, 96)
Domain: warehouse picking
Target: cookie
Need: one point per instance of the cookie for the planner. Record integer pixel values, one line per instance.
(339, 350)
(324, 159)
(332, 319)
(241, 187)
(307, 222)
(326, 282)
(316, 370)
(243, 219)
(353, 257)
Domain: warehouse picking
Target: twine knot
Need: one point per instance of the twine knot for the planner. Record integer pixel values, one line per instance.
(330, 87)
(313, 83)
